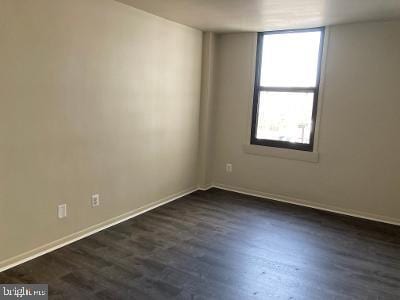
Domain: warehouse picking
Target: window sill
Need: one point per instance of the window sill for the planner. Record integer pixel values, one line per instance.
(312, 157)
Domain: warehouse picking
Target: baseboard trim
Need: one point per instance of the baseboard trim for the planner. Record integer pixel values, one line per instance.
(42, 250)
(32, 254)
(205, 187)
(300, 202)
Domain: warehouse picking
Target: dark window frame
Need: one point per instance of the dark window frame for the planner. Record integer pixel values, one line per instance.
(258, 89)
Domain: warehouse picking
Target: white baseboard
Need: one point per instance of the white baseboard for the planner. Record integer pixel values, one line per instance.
(32, 254)
(205, 187)
(300, 202)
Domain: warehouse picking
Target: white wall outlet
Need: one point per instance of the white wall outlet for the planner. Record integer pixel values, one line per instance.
(95, 200)
(229, 168)
(62, 211)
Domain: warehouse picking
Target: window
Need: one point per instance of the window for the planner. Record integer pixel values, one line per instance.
(286, 88)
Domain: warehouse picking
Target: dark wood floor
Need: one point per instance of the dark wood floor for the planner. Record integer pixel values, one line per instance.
(223, 245)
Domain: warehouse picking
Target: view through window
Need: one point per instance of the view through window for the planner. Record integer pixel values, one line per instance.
(286, 91)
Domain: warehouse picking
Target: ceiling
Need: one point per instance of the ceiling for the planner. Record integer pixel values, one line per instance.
(262, 15)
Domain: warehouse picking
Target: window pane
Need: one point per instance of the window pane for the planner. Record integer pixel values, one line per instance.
(284, 116)
(290, 59)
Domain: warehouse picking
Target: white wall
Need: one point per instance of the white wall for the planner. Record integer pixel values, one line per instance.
(96, 97)
(206, 110)
(359, 145)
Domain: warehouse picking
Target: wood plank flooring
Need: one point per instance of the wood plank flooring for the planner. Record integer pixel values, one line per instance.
(223, 245)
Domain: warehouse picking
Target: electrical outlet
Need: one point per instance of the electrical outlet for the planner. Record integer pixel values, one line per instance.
(62, 211)
(229, 168)
(95, 200)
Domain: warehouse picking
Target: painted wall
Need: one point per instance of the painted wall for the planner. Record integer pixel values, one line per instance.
(96, 97)
(359, 145)
(207, 114)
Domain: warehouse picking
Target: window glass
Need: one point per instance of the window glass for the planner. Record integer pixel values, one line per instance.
(285, 116)
(286, 88)
(290, 59)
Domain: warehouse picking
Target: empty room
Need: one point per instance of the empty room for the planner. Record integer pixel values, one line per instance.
(200, 149)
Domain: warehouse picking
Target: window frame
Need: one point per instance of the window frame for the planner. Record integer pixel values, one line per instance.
(258, 89)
